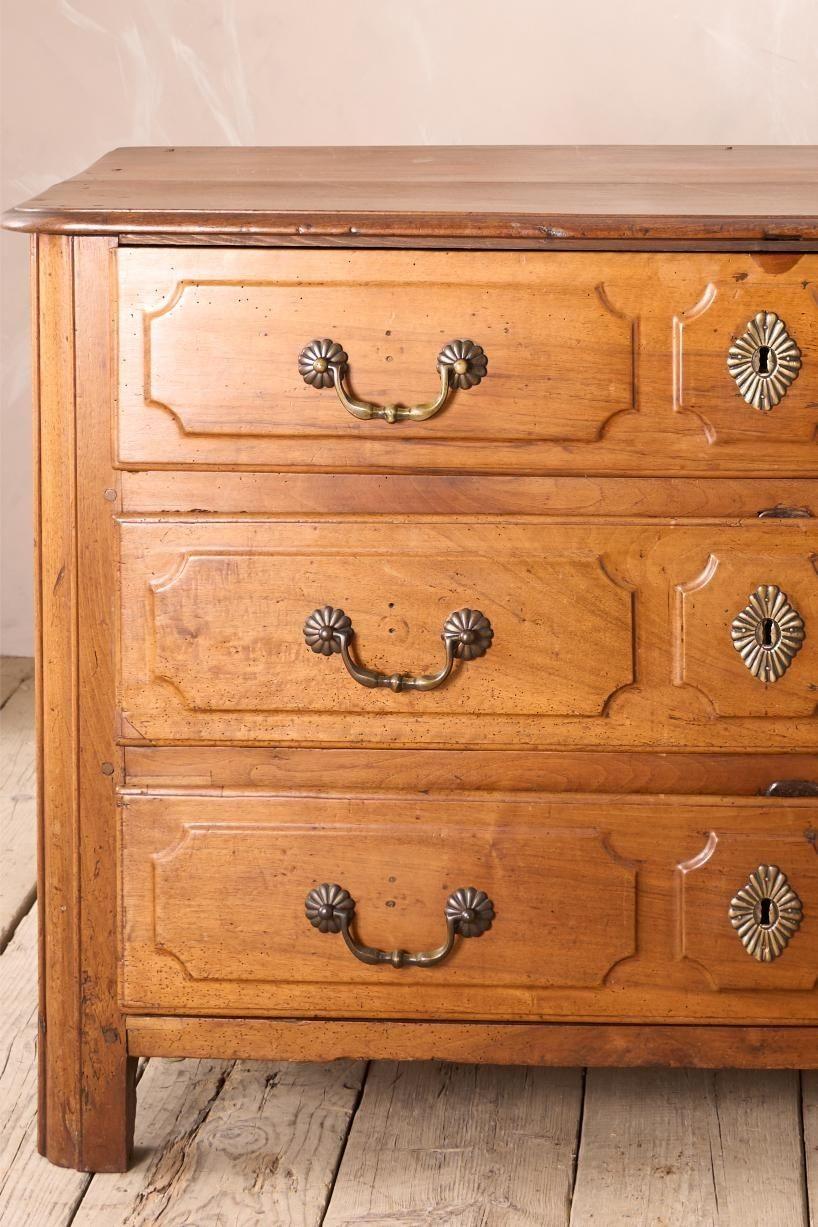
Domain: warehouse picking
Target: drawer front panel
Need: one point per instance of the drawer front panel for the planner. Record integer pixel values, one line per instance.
(596, 362)
(609, 907)
(609, 635)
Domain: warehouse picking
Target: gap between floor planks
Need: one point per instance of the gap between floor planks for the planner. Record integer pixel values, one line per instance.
(234, 1143)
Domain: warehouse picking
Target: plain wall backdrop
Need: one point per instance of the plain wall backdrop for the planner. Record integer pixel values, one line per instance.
(82, 76)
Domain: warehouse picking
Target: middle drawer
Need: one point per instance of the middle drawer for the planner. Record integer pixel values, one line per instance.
(533, 633)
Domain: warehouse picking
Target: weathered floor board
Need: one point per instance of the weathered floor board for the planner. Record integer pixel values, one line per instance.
(32, 1192)
(690, 1148)
(760, 1132)
(18, 852)
(809, 1107)
(13, 671)
(460, 1146)
(226, 1144)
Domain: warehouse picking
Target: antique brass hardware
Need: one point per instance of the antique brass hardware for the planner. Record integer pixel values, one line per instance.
(331, 909)
(792, 788)
(780, 512)
(768, 633)
(461, 364)
(765, 913)
(466, 635)
(764, 361)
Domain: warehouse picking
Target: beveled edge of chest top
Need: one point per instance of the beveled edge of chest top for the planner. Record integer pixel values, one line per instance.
(440, 195)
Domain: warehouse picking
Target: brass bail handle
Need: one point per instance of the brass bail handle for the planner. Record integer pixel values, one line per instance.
(324, 364)
(467, 634)
(331, 909)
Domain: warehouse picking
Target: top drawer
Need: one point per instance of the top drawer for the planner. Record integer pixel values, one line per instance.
(607, 363)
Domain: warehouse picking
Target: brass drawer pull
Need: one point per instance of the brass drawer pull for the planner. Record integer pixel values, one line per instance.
(323, 363)
(466, 635)
(331, 909)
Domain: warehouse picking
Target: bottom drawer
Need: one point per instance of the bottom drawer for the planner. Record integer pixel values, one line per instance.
(590, 907)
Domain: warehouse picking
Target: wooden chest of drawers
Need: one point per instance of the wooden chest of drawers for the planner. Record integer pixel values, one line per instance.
(428, 587)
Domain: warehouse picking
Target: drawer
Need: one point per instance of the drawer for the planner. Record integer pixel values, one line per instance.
(545, 907)
(601, 635)
(596, 362)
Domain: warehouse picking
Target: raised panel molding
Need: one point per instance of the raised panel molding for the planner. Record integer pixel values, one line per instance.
(632, 323)
(707, 884)
(249, 934)
(705, 658)
(702, 337)
(681, 321)
(680, 646)
(261, 386)
(240, 612)
(218, 351)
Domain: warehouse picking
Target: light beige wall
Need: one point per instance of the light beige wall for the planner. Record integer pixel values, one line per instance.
(81, 76)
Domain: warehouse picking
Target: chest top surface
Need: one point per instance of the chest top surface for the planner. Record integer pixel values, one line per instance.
(438, 194)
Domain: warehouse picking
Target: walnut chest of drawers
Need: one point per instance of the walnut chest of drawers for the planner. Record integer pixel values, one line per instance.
(428, 595)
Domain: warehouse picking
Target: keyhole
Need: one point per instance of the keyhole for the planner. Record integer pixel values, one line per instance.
(768, 634)
(766, 913)
(764, 361)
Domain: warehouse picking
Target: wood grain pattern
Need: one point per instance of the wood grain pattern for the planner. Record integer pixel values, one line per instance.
(17, 808)
(31, 1190)
(773, 1184)
(716, 874)
(474, 1146)
(39, 666)
(598, 363)
(232, 1143)
(278, 769)
(86, 1079)
(809, 1109)
(13, 671)
(60, 1084)
(108, 1073)
(189, 591)
(174, 1099)
(672, 1148)
(615, 193)
(399, 873)
(725, 580)
(205, 601)
(398, 242)
(555, 1044)
(194, 492)
(214, 889)
(209, 344)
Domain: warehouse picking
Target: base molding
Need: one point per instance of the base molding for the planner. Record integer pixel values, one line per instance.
(556, 1044)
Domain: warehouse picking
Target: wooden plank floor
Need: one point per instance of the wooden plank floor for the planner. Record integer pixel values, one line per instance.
(222, 1143)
